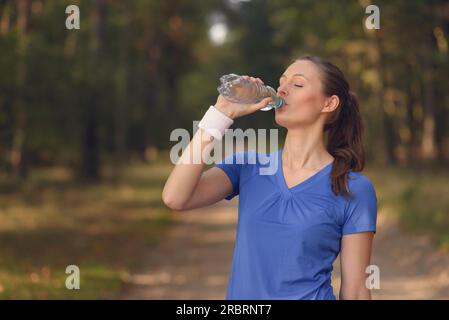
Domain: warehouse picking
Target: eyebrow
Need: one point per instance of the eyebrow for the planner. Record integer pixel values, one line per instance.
(296, 74)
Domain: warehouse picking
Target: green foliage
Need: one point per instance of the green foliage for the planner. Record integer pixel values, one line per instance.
(129, 76)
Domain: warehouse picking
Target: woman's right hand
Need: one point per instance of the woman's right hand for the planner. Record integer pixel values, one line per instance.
(236, 110)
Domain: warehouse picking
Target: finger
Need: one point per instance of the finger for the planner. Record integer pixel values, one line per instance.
(257, 80)
(262, 104)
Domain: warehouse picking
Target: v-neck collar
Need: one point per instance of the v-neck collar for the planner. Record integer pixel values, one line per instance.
(300, 186)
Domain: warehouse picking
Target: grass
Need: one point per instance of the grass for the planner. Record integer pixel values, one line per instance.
(418, 198)
(106, 229)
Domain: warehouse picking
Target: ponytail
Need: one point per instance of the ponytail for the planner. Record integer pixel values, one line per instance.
(344, 143)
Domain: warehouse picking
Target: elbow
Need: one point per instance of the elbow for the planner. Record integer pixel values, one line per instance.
(355, 297)
(360, 294)
(171, 202)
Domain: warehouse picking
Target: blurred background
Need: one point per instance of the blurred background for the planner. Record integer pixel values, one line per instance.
(86, 116)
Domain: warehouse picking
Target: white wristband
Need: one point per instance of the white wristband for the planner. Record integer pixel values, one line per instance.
(215, 122)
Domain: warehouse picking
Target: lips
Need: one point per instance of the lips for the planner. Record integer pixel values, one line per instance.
(281, 107)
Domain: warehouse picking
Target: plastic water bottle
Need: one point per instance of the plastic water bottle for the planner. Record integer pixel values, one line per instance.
(237, 89)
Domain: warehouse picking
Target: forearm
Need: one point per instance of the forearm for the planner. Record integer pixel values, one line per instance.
(185, 175)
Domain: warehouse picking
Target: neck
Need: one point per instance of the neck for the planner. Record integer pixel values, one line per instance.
(304, 149)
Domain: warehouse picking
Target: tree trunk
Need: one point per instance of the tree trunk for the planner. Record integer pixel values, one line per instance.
(387, 119)
(411, 117)
(18, 152)
(428, 146)
(122, 75)
(5, 17)
(91, 160)
(154, 53)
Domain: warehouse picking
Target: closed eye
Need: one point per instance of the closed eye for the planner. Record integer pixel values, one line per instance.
(296, 85)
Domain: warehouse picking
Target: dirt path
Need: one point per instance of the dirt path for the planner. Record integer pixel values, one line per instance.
(194, 260)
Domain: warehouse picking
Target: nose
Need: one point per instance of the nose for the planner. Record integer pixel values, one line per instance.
(282, 92)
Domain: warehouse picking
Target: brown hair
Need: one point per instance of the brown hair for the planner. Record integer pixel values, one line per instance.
(344, 126)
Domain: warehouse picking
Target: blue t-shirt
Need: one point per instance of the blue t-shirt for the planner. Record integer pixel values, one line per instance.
(288, 238)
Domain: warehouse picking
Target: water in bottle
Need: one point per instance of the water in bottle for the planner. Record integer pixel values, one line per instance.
(237, 89)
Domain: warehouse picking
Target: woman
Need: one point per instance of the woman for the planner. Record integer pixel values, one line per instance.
(292, 225)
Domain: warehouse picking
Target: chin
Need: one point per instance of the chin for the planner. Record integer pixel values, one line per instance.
(281, 120)
(285, 119)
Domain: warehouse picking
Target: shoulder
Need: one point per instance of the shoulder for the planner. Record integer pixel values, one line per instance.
(360, 185)
(251, 162)
(360, 213)
(250, 157)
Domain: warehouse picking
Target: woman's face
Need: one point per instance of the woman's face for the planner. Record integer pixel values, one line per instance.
(301, 88)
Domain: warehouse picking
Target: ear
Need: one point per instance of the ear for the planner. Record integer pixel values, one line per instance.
(331, 103)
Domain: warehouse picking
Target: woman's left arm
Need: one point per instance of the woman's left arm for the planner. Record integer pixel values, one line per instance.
(355, 256)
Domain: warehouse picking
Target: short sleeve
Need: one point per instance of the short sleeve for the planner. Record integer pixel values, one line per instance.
(361, 210)
(232, 166)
